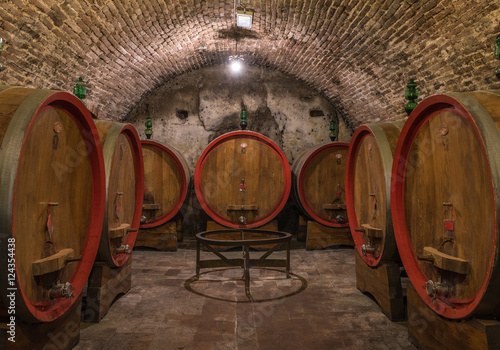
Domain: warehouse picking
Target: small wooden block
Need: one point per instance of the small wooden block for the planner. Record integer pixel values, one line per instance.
(63, 333)
(248, 207)
(428, 330)
(178, 227)
(320, 236)
(302, 229)
(334, 206)
(384, 284)
(51, 263)
(104, 285)
(119, 232)
(447, 262)
(150, 206)
(373, 231)
(270, 226)
(163, 237)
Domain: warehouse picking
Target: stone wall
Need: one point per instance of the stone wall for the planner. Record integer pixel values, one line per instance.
(358, 54)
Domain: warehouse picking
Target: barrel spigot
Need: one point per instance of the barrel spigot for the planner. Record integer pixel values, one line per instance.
(144, 219)
(367, 249)
(434, 289)
(60, 290)
(340, 218)
(123, 249)
(242, 220)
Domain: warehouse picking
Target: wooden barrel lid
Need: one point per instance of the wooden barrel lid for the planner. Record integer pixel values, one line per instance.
(124, 184)
(318, 183)
(51, 199)
(166, 183)
(368, 184)
(242, 179)
(445, 200)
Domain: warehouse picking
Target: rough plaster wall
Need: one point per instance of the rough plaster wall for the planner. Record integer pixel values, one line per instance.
(278, 107)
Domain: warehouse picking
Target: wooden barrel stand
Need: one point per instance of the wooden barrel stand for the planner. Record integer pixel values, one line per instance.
(104, 286)
(319, 236)
(163, 237)
(383, 282)
(427, 330)
(63, 333)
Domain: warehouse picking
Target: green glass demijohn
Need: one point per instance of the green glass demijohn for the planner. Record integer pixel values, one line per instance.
(149, 125)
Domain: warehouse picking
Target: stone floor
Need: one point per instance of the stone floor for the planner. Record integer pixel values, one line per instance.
(317, 308)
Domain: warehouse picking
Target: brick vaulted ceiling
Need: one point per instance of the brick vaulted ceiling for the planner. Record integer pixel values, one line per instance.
(358, 53)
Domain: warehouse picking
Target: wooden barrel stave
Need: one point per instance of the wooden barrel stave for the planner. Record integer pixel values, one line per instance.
(242, 174)
(368, 176)
(317, 174)
(445, 184)
(124, 190)
(167, 182)
(50, 163)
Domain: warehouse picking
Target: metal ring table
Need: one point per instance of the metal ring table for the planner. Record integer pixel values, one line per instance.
(202, 239)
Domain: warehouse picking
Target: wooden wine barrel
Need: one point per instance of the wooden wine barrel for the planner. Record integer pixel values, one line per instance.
(445, 198)
(123, 162)
(166, 183)
(52, 197)
(368, 191)
(242, 179)
(318, 183)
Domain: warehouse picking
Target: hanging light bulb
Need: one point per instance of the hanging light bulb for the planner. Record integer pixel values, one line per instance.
(235, 65)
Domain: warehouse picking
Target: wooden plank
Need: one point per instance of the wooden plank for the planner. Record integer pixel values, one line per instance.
(320, 236)
(118, 232)
(447, 262)
(384, 284)
(51, 263)
(334, 206)
(373, 231)
(152, 206)
(427, 330)
(242, 207)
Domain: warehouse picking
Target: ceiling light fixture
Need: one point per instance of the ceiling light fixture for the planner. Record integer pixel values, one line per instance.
(244, 18)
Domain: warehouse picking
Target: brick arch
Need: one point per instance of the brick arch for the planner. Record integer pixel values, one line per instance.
(358, 54)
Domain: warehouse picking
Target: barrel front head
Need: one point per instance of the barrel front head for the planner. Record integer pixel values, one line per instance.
(53, 195)
(242, 179)
(368, 176)
(444, 185)
(319, 183)
(166, 183)
(124, 196)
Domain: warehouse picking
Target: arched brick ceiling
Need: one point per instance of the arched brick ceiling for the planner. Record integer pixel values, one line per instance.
(358, 53)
